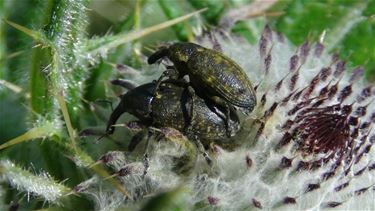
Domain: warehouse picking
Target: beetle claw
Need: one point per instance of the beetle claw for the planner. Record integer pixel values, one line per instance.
(146, 164)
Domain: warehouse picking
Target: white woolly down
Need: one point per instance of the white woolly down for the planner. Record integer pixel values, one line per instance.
(250, 177)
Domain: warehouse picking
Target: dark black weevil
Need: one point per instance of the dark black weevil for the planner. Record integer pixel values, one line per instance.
(170, 107)
(212, 75)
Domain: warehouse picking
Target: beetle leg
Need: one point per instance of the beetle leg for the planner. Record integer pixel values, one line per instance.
(146, 159)
(227, 111)
(119, 110)
(166, 73)
(202, 150)
(191, 94)
(137, 138)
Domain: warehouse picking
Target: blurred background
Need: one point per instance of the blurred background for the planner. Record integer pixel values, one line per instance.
(346, 27)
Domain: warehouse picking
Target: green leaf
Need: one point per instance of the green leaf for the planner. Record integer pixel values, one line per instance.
(214, 12)
(173, 9)
(348, 26)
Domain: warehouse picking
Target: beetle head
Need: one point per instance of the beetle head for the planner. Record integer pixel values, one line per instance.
(135, 102)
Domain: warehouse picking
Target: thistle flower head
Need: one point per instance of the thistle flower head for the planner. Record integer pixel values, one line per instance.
(307, 144)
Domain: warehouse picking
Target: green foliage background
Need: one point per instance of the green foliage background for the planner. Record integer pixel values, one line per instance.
(49, 61)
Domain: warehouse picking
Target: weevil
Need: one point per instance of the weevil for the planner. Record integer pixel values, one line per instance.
(170, 107)
(212, 75)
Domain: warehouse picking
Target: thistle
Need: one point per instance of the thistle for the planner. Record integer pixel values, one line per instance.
(307, 144)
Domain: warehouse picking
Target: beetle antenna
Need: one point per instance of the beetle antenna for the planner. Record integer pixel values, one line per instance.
(127, 84)
(101, 137)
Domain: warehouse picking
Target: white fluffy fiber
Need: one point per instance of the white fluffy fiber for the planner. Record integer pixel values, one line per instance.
(250, 177)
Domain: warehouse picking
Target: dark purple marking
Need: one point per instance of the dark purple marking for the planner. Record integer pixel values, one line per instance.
(263, 45)
(257, 203)
(285, 162)
(289, 200)
(80, 188)
(299, 106)
(340, 67)
(328, 175)
(305, 50)
(360, 172)
(354, 134)
(345, 92)
(287, 125)
(127, 170)
(311, 87)
(260, 130)
(302, 165)
(215, 43)
(325, 72)
(270, 111)
(106, 158)
(256, 87)
(249, 161)
(120, 67)
(371, 167)
(353, 121)
(312, 187)
(286, 99)
(342, 186)
(360, 191)
(278, 85)
(287, 137)
(365, 125)
(316, 164)
(318, 103)
(333, 204)
(267, 32)
(361, 111)
(366, 92)
(319, 47)
(263, 100)
(293, 63)
(372, 139)
(267, 62)
(293, 81)
(332, 91)
(323, 92)
(280, 37)
(335, 58)
(357, 74)
(213, 201)
(364, 151)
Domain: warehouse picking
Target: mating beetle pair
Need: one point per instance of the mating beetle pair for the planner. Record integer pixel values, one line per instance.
(219, 86)
(213, 76)
(171, 108)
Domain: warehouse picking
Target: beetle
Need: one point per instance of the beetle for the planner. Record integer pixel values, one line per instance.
(170, 107)
(211, 74)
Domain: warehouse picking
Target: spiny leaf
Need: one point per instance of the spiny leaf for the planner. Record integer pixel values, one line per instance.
(38, 132)
(109, 42)
(41, 185)
(33, 34)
